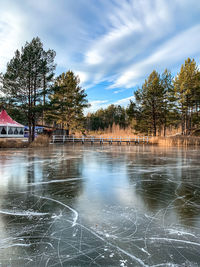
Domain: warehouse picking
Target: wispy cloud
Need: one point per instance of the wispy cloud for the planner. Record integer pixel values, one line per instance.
(95, 105)
(11, 29)
(167, 55)
(142, 36)
(124, 101)
(132, 29)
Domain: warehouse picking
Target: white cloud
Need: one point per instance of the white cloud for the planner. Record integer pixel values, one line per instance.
(125, 101)
(82, 75)
(95, 105)
(183, 45)
(141, 36)
(93, 58)
(133, 26)
(11, 31)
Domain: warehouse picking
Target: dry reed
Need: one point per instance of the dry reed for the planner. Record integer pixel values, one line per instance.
(41, 141)
(114, 132)
(175, 141)
(13, 143)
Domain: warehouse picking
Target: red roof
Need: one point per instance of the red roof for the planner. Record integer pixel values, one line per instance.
(6, 120)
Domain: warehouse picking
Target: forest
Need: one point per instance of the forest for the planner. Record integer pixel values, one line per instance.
(163, 101)
(32, 94)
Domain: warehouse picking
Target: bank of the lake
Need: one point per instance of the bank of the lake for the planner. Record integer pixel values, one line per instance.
(40, 141)
(45, 141)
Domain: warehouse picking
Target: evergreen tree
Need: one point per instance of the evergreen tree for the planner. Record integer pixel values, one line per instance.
(150, 100)
(105, 118)
(67, 102)
(132, 113)
(187, 92)
(170, 114)
(26, 79)
(196, 101)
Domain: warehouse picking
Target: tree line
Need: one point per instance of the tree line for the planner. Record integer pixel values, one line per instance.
(161, 102)
(31, 92)
(105, 118)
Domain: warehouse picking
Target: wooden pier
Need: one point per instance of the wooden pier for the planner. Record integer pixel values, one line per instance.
(99, 140)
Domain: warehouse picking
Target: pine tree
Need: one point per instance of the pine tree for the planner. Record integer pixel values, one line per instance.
(67, 102)
(150, 105)
(170, 114)
(131, 112)
(27, 78)
(187, 93)
(196, 101)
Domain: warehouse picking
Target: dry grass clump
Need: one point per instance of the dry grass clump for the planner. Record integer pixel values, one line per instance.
(175, 141)
(13, 143)
(41, 141)
(115, 131)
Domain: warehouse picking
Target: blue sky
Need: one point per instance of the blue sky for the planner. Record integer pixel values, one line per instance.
(113, 45)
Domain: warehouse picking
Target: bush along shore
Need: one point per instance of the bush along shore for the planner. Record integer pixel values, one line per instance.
(183, 141)
(40, 141)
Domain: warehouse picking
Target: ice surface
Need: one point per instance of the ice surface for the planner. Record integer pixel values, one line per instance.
(100, 206)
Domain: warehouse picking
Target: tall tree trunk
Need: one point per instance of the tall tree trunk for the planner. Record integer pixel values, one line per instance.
(165, 126)
(29, 130)
(183, 120)
(29, 112)
(34, 105)
(44, 97)
(154, 123)
(33, 129)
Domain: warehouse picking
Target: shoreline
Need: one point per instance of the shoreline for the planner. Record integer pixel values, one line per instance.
(172, 141)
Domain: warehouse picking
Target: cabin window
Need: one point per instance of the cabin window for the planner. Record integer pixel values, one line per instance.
(21, 131)
(16, 131)
(10, 131)
(3, 131)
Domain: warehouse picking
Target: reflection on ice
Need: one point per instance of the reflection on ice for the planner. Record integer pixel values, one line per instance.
(100, 206)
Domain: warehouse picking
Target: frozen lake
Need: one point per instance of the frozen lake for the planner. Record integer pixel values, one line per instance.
(100, 206)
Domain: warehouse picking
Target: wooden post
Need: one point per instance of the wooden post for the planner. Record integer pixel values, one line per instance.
(82, 139)
(53, 139)
(63, 138)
